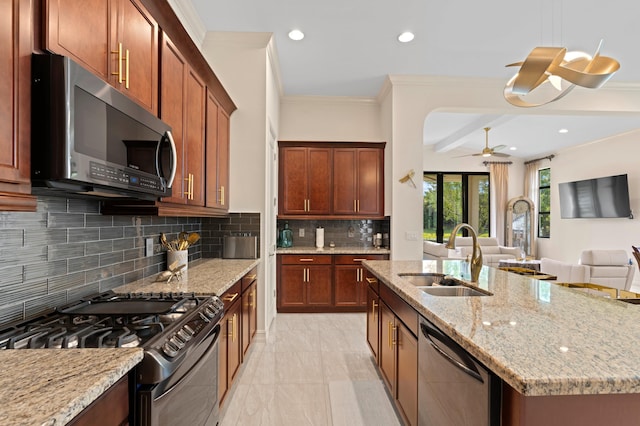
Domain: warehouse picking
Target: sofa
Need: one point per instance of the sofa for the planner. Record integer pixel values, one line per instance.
(492, 252)
(610, 268)
(565, 271)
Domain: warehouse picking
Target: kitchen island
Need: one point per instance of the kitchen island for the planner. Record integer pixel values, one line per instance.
(553, 347)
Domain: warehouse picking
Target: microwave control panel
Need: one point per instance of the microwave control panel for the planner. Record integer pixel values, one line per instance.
(126, 178)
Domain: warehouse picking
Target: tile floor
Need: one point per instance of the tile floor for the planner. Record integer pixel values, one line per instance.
(315, 369)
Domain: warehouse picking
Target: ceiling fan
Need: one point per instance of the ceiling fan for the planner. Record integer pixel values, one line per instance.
(489, 152)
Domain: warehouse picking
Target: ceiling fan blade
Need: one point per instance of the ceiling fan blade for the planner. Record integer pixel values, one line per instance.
(498, 147)
(468, 155)
(500, 154)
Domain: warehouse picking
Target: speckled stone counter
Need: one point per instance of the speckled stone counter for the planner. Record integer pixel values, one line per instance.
(334, 250)
(540, 338)
(52, 386)
(204, 277)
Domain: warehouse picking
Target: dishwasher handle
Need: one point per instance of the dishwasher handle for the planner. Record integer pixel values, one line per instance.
(426, 331)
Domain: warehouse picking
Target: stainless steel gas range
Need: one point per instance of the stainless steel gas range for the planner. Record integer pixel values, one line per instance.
(176, 382)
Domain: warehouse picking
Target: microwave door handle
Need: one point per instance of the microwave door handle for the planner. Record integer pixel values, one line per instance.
(174, 159)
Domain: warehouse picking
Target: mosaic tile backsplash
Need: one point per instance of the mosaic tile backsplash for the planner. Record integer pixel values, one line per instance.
(343, 233)
(67, 249)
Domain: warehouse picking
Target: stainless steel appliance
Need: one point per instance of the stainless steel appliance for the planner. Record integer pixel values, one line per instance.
(239, 247)
(453, 388)
(177, 381)
(88, 138)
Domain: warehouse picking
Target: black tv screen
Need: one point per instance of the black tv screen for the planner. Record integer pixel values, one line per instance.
(595, 198)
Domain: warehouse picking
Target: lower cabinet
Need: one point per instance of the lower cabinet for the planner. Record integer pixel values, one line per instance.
(237, 330)
(323, 283)
(394, 344)
(110, 409)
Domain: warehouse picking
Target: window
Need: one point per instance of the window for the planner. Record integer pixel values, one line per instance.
(544, 203)
(452, 198)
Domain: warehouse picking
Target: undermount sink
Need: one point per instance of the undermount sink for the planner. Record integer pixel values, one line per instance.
(453, 291)
(437, 284)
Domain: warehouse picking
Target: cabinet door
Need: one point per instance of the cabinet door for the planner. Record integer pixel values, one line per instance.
(234, 341)
(217, 155)
(138, 33)
(292, 283)
(407, 362)
(15, 91)
(320, 181)
(81, 29)
(249, 317)
(347, 283)
(172, 99)
(319, 285)
(345, 178)
(387, 359)
(194, 119)
(223, 159)
(370, 181)
(293, 181)
(373, 322)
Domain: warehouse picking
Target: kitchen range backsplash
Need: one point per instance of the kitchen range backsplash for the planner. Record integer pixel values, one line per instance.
(67, 249)
(343, 233)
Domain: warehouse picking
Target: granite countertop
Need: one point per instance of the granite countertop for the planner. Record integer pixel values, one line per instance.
(540, 338)
(203, 277)
(332, 250)
(52, 386)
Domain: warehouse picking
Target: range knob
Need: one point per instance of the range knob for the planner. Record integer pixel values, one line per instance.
(184, 335)
(204, 317)
(169, 349)
(177, 341)
(209, 312)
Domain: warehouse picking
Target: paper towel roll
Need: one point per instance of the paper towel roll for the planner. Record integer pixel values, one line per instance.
(319, 237)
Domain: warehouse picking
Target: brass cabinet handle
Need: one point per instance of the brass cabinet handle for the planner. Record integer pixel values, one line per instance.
(371, 280)
(126, 77)
(233, 328)
(221, 199)
(119, 72)
(357, 259)
(390, 332)
(230, 297)
(355, 208)
(305, 259)
(396, 339)
(374, 305)
(251, 277)
(188, 192)
(358, 206)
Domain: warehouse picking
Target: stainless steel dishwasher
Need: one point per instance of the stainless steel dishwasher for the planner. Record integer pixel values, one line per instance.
(453, 388)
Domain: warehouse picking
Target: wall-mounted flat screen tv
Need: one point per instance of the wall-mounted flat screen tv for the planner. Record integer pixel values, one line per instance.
(604, 197)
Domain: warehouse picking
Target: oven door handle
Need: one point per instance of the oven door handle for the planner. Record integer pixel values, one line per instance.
(216, 330)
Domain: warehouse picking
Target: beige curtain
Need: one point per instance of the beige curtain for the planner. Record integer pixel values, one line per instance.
(531, 192)
(499, 178)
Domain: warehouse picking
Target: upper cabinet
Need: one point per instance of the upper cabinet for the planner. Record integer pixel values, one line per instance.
(15, 91)
(305, 184)
(339, 179)
(116, 39)
(217, 155)
(182, 107)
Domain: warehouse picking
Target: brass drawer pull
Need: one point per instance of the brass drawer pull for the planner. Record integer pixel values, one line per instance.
(306, 260)
(230, 297)
(374, 305)
(358, 260)
(371, 280)
(251, 277)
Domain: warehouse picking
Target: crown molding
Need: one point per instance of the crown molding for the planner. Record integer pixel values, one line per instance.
(190, 19)
(329, 100)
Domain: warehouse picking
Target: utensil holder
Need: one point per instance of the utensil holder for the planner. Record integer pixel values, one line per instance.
(179, 256)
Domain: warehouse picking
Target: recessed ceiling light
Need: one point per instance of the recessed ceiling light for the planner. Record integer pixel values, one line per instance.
(513, 148)
(405, 37)
(296, 35)
(563, 131)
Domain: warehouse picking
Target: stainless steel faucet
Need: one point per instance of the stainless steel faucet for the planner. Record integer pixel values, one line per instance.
(476, 255)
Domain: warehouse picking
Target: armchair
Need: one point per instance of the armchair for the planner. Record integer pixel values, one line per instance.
(610, 268)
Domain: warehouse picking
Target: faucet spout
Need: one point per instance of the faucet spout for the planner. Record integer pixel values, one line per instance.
(476, 255)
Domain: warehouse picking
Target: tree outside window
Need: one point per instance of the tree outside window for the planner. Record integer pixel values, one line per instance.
(544, 204)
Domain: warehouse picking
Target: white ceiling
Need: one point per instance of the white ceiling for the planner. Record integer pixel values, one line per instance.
(350, 46)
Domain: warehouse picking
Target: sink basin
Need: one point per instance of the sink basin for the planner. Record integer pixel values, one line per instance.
(458, 290)
(423, 280)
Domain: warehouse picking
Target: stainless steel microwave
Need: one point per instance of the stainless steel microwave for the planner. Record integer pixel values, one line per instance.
(88, 138)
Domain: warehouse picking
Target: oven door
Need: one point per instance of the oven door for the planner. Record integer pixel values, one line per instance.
(190, 396)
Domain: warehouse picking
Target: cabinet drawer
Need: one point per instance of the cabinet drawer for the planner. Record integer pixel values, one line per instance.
(402, 309)
(356, 259)
(372, 281)
(232, 295)
(291, 259)
(249, 278)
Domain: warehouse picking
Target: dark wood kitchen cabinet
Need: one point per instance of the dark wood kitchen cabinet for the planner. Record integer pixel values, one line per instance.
(350, 284)
(110, 409)
(249, 309)
(398, 352)
(331, 179)
(305, 184)
(358, 176)
(116, 39)
(373, 315)
(304, 283)
(15, 111)
(182, 106)
(217, 155)
(230, 349)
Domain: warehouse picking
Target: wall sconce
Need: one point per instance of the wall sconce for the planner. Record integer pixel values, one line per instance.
(409, 177)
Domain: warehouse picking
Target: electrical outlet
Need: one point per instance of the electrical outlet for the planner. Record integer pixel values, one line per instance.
(148, 247)
(301, 232)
